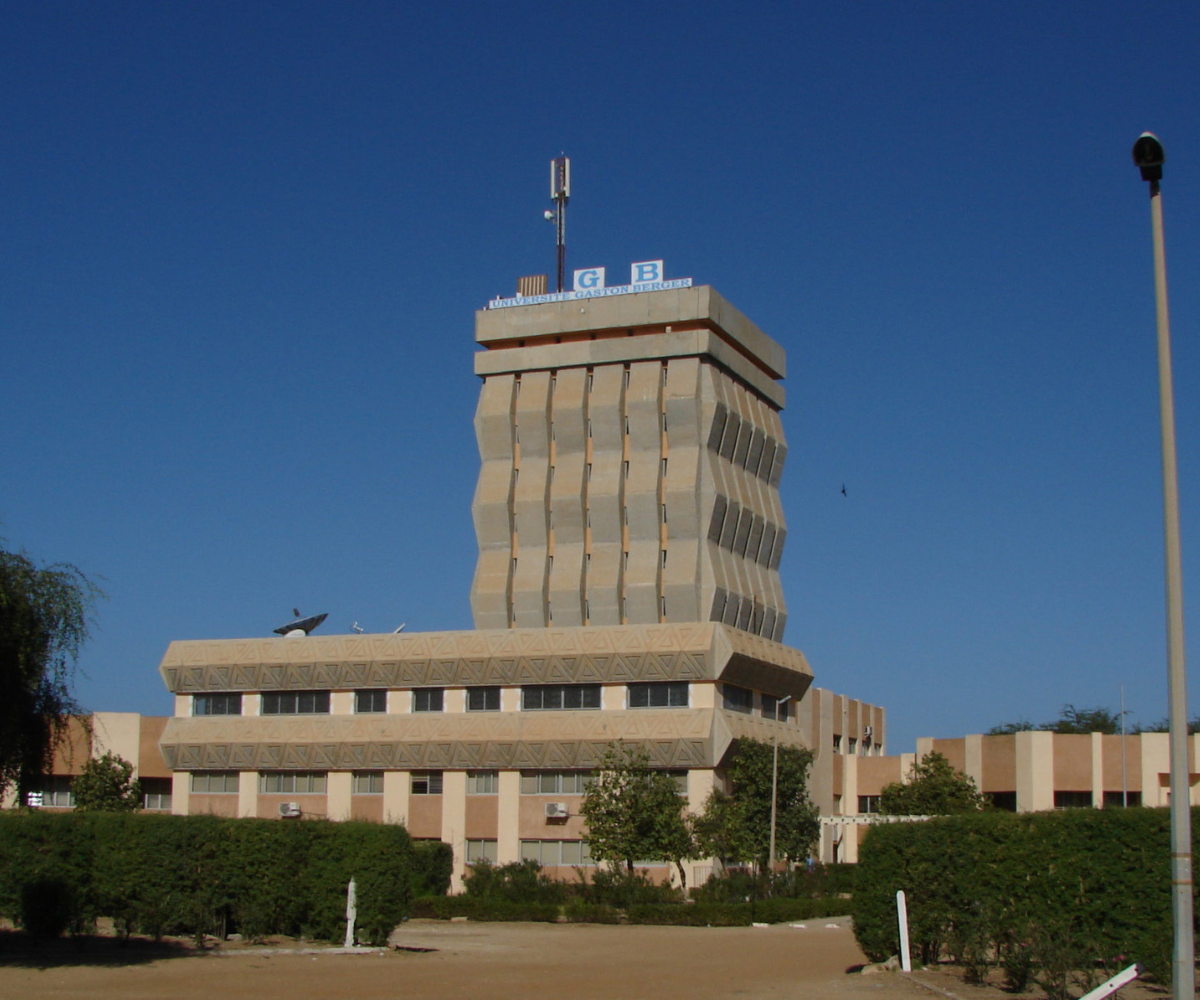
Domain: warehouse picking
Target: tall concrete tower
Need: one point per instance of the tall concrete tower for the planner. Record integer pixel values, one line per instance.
(631, 454)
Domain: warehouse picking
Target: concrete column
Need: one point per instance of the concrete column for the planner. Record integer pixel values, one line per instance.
(181, 787)
(395, 796)
(339, 787)
(247, 793)
(1097, 749)
(1035, 771)
(341, 703)
(508, 819)
(850, 786)
(251, 701)
(973, 752)
(454, 823)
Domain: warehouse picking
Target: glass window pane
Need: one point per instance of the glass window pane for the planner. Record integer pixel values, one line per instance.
(531, 850)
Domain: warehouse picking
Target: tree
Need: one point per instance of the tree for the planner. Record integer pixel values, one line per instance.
(934, 788)
(1071, 720)
(1085, 720)
(635, 813)
(1008, 728)
(736, 827)
(44, 622)
(107, 784)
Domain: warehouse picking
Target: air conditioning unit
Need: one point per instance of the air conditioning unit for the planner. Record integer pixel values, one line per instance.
(557, 810)
(869, 732)
(289, 810)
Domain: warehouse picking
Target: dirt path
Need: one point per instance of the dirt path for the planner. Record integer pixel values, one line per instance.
(492, 961)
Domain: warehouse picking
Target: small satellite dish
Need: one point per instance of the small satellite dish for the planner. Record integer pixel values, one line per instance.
(301, 626)
(400, 629)
(548, 215)
(356, 628)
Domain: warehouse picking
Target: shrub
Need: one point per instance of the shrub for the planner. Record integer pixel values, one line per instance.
(1056, 897)
(203, 874)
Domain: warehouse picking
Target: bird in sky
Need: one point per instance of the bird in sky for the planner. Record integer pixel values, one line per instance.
(843, 489)
(296, 611)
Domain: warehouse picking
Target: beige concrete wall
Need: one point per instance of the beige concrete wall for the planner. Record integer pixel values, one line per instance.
(659, 471)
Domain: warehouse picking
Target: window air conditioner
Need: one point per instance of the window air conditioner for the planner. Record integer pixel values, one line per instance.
(289, 810)
(869, 731)
(557, 810)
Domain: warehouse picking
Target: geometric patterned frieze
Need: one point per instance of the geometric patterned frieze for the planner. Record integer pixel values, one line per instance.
(484, 754)
(673, 738)
(614, 654)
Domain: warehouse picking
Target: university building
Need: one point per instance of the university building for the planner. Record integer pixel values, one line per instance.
(627, 590)
(630, 531)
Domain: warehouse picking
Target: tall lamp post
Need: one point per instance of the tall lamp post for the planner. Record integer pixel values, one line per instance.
(779, 705)
(1149, 157)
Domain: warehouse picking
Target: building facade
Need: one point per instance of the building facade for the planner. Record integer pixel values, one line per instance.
(627, 591)
(1021, 772)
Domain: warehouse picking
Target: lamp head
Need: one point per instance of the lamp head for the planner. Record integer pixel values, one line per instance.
(1149, 156)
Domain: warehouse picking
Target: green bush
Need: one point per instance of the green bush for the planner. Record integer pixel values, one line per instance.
(692, 914)
(202, 875)
(623, 888)
(474, 908)
(1051, 897)
(517, 882)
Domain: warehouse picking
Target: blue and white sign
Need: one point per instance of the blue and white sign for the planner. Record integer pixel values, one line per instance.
(644, 276)
(589, 278)
(646, 270)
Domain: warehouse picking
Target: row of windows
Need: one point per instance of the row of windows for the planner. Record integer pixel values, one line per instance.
(56, 792)
(856, 747)
(746, 445)
(537, 697)
(740, 699)
(740, 530)
(421, 782)
(747, 614)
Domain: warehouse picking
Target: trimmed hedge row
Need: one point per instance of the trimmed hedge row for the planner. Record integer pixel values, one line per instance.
(1044, 895)
(769, 911)
(204, 874)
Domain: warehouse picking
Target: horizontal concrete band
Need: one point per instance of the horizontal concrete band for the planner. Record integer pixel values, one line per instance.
(650, 347)
(672, 738)
(700, 303)
(614, 654)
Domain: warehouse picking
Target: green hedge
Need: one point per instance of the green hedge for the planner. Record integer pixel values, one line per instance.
(681, 914)
(203, 874)
(1042, 894)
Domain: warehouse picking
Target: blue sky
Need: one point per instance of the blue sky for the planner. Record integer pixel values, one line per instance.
(243, 245)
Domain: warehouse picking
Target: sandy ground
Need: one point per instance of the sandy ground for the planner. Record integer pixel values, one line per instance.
(443, 961)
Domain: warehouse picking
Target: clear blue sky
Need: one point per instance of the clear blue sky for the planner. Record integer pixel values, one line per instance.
(242, 246)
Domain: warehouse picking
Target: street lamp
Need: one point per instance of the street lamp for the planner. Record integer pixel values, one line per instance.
(775, 780)
(1149, 157)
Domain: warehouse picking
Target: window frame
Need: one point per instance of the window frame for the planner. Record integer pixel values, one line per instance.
(211, 699)
(226, 776)
(370, 779)
(314, 702)
(669, 691)
(484, 694)
(565, 692)
(735, 698)
(430, 699)
(483, 782)
(433, 782)
(370, 696)
(293, 782)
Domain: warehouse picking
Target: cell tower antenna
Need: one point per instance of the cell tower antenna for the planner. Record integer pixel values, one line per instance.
(560, 194)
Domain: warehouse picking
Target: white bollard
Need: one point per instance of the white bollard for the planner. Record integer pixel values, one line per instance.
(351, 912)
(902, 916)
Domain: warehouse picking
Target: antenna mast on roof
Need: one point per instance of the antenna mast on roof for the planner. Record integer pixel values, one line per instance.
(560, 193)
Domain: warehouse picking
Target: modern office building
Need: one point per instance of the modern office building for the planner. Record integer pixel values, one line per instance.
(627, 590)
